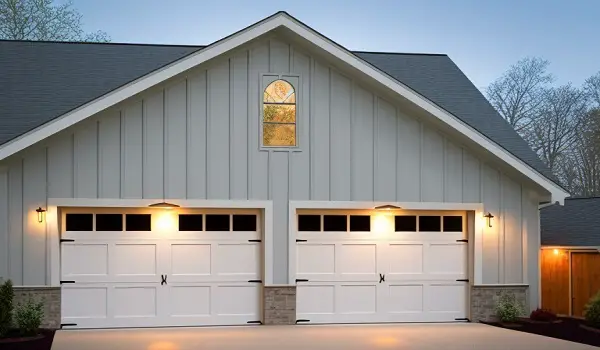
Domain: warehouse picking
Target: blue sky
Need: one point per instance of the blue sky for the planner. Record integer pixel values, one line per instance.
(483, 37)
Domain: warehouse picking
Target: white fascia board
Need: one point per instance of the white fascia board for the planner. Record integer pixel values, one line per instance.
(250, 33)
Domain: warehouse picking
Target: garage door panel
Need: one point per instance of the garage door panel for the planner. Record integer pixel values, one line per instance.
(192, 260)
(357, 262)
(134, 260)
(84, 261)
(446, 298)
(356, 299)
(238, 300)
(188, 301)
(447, 259)
(139, 301)
(315, 299)
(116, 278)
(237, 261)
(382, 276)
(85, 302)
(404, 298)
(404, 259)
(316, 262)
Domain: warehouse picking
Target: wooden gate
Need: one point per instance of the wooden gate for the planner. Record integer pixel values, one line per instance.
(585, 279)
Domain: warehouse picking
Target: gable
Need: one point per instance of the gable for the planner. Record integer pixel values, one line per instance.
(511, 144)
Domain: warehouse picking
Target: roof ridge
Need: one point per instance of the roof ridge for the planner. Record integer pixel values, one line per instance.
(99, 43)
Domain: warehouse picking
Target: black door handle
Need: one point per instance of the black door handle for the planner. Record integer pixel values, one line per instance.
(381, 278)
(163, 279)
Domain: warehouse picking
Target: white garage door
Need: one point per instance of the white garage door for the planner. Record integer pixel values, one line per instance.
(402, 267)
(149, 268)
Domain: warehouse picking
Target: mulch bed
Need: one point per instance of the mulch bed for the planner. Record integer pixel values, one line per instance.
(565, 328)
(14, 341)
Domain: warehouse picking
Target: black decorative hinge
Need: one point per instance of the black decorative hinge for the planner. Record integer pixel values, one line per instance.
(463, 240)
(301, 280)
(381, 278)
(163, 279)
(462, 319)
(255, 281)
(254, 240)
(302, 321)
(67, 325)
(63, 282)
(301, 240)
(254, 322)
(463, 280)
(63, 240)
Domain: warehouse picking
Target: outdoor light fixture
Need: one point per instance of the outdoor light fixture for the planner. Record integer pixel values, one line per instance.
(489, 218)
(164, 205)
(386, 207)
(556, 251)
(40, 214)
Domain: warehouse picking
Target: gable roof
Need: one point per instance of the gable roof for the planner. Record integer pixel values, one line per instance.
(74, 76)
(576, 224)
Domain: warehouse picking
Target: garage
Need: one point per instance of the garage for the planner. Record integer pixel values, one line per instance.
(354, 266)
(145, 267)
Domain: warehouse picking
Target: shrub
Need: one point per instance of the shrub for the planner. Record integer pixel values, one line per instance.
(592, 311)
(542, 315)
(6, 306)
(29, 316)
(508, 308)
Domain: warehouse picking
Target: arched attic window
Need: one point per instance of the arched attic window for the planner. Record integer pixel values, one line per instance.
(279, 115)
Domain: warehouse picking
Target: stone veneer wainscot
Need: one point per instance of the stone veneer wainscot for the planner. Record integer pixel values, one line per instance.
(279, 305)
(49, 296)
(484, 299)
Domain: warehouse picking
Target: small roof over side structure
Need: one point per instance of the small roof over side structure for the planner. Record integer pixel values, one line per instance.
(576, 224)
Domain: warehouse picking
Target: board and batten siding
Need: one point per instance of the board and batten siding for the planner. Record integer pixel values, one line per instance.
(197, 137)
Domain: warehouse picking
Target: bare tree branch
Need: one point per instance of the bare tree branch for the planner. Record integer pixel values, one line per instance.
(43, 20)
(517, 93)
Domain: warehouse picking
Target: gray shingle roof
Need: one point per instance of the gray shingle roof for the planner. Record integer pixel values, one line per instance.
(43, 80)
(577, 223)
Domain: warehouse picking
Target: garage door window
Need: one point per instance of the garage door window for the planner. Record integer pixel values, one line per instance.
(109, 222)
(244, 222)
(217, 222)
(360, 223)
(453, 224)
(405, 223)
(191, 222)
(430, 223)
(335, 223)
(138, 222)
(80, 222)
(309, 223)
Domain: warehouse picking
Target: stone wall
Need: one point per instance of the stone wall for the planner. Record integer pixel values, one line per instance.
(279, 305)
(50, 296)
(485, 298)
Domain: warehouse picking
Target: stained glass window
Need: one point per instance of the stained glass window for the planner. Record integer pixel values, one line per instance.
(279, 114)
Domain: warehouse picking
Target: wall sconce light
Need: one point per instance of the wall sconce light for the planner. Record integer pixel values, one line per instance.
(556, 251)
(489, 218)
(164, 205)
(386, 207)
(40, 214)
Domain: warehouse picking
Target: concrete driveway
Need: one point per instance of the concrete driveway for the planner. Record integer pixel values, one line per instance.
(351, 337)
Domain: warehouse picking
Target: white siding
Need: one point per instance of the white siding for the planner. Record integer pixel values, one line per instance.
(197, 137)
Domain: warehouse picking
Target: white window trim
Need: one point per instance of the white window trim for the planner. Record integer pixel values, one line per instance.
(53, 229)
(478, 233)
(280, 76)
